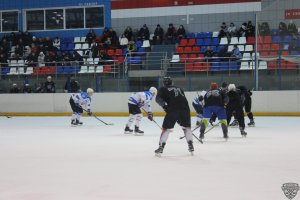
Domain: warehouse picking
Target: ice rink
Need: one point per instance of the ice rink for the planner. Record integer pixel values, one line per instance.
(44, 158)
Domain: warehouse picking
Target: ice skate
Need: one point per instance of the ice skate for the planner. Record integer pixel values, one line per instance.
(191, 147)
(235, 123)
(160, 150)
(251, 123)
(74, 123)
(128, 130)
(201, 136)
(243, 133)
(138, 132)
(211, 122)
(78, 122)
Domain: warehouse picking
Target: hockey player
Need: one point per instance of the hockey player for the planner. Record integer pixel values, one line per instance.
(224, 89)
(175, 104)
(135, 103)
(78, 101)
(247, 102)
(198, 105)
(235, 105)
(214, 101)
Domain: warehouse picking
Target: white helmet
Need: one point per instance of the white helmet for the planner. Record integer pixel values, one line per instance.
(231, 87)
(90, 91)
(153, 91)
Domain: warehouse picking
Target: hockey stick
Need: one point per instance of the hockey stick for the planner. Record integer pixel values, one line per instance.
(205, 131)
(152, 119)
(99, 119)
(194, 135)
(5, 115)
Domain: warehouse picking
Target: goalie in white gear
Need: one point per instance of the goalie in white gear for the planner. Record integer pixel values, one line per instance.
(78, 101)
(135, 103)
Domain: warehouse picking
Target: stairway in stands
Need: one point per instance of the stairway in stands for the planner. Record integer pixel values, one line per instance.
(157, 54)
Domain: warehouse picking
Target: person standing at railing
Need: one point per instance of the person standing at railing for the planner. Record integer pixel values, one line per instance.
(236, 55)
(49, 86)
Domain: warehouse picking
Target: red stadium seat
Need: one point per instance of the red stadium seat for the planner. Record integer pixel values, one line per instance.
(183, 42)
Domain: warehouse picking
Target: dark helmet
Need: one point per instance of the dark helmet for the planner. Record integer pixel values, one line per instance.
(224, 85)
(167, 81)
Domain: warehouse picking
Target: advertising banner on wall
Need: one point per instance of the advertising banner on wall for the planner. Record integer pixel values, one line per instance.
(292, 14)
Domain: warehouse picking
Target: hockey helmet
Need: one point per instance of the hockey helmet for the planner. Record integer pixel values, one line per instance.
(224, 85)
(90, 91)
(167, 81)
(153, 91)
(231, 87)
(213, 86)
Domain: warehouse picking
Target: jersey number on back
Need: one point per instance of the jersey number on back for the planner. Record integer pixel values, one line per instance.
(177, 91)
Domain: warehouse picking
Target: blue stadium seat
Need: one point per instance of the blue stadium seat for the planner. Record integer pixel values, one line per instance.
(224, 66)
(138, 44)
(203, 49)
(199, 42)
(141, 51)
(5, 70)
(233, 65)
(215, 41)
(200, 35)
(214, 48)
(191, 35)
(207, 41)
(294, 53)
(276, 39)
(59, 70)
(208, 34)
(274, 32)
(287, 39)
(215, 67)
(220, 47)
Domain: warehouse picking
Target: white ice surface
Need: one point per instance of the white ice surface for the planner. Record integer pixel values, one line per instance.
(44, 158)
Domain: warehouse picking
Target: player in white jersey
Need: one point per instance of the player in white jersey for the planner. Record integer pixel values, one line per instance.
(135, 103)
(198, 105)
(78, 101)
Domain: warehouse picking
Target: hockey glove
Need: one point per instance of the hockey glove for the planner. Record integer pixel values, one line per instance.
(150, 116)
(165, 108)
(89, 112)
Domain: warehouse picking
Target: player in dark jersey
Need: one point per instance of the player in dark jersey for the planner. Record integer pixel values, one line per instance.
(247, 102)
(235, 106)
(214, 102)
(223, 88)
(175, 104)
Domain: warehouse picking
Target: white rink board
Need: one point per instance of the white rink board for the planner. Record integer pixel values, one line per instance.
(262, 101)
(43, 158)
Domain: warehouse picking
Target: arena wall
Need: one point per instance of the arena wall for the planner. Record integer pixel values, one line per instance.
(266, 103)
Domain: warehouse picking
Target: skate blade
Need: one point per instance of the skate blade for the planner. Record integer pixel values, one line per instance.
(127, 132)
(158, 155)
(192, 153)
(138, 134)
(73, 125)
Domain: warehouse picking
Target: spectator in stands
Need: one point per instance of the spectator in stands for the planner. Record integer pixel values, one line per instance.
(282, 28)
(41, 59)
(223, 54)
(77, 58)
(123, 41)
(48, 44)
(14, 89)
(171, 34)
(34, 49)
(113, 37)
(35, 41)
(242, 31)
(72, 86)
(158, 35)
(27, 51)
(293, 46)
(236, 55)
(94, 50)
(26, 37)
(250, 29)
(131, 47)
(50, 58)
(106, 34)
(40, 88)
(27, 88)
(3, 60)
(66, 59)
(144, 33)
(18, 52)
(181, 33)
(232, 30)
(264, 29)
(292, 29)
(32, 60)
(5, 46)
(49, 86)
(128, 33)
(90, 37)
(56, 43)
(208, 54)
(104, 58)
(223, 31)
